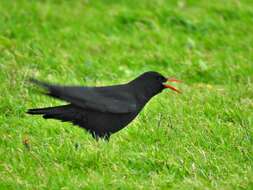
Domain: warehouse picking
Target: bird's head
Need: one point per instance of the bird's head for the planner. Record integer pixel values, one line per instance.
(153, 82)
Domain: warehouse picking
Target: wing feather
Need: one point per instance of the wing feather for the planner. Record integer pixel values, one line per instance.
(113, 99)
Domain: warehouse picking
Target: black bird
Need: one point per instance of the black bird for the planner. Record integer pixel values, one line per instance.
(103, 111)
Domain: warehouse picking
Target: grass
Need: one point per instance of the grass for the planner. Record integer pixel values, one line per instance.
(202, 139)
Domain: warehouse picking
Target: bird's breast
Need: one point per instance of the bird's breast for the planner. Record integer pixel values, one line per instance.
(102, 122)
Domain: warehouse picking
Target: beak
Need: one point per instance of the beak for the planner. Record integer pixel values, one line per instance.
(171, 87)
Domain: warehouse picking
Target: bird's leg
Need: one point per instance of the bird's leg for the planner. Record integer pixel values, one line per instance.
(105, 137)
(95, 136)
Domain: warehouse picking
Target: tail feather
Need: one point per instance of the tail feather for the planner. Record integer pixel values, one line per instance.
(64, 113)
(50, 112)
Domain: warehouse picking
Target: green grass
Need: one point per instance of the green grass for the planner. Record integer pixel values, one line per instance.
(202, 139)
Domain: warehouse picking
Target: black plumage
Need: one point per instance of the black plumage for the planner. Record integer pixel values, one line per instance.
(102, 111)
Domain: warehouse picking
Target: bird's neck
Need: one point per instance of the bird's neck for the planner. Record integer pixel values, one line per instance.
(142, 92)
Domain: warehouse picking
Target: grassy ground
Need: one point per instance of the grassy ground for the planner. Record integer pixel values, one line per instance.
(202, 139)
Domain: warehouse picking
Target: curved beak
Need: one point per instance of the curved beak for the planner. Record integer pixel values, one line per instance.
(171, 87)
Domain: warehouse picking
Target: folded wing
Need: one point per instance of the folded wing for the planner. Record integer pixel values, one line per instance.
(114, 99)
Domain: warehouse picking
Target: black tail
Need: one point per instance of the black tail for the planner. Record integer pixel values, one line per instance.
(64, 113)
(50, 112)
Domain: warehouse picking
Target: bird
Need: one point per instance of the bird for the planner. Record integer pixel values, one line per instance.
(102, 110)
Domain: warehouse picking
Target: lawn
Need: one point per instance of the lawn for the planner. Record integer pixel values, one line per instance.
(201, 139)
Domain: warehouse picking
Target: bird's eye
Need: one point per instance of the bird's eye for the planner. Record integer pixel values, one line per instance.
(160, 78)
